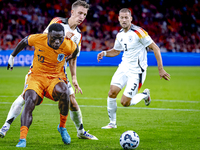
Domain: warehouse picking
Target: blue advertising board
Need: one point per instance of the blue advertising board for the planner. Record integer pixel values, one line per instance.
(24, 58)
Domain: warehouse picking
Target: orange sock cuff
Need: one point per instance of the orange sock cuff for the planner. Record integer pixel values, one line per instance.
(23, 132)
(63, 120)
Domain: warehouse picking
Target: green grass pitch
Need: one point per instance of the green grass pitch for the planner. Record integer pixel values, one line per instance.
(170, 122)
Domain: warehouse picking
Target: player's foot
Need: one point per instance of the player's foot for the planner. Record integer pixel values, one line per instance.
(86, 135)
(22, 143)
(147, 100)
(110, 126)
(3, 131)
(64, 134)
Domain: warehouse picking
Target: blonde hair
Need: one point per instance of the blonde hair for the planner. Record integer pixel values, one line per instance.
(80, 3)
(124, 10)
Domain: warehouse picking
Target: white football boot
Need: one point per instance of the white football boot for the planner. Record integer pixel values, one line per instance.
(110, 126)
(147, 99)
(3, 131)
(86, 135)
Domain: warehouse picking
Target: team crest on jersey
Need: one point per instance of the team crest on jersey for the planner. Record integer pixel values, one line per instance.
(130, 38)
(60, 57)
(121, 40)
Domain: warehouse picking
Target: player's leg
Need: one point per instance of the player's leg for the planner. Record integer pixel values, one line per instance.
(76, 116)
(118, 81)
(14, 111)
(61, 94)
(131, 95)
(112, 106)
(31, 100)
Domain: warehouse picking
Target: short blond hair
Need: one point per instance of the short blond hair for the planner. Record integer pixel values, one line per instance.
(80, 3)
(124, 10)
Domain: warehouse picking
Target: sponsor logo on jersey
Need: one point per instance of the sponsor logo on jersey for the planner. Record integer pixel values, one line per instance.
(60, 57)
(41, 50)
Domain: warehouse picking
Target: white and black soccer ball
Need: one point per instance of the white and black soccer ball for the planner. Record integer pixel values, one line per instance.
(129, 140)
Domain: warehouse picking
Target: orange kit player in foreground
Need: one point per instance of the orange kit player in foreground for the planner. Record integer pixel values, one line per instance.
(78, 15)
(47, 77)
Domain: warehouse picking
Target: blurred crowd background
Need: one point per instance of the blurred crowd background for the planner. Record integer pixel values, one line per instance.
(173, 25)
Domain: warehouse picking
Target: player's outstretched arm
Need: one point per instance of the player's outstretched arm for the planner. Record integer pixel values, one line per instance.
(108, 53)
(20, 46)
(162, 72)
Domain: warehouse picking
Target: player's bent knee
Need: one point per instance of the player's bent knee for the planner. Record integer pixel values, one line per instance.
(125, 101)
(125, 104)
(32, 97)
(61, 92)
(112, 94)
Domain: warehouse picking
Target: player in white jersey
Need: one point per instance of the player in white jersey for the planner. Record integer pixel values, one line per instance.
(78, 14)
(132, 40)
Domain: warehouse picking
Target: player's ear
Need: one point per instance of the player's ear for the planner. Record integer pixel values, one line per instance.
(72, 11)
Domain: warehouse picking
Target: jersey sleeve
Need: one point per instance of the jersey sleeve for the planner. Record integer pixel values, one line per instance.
(54, 20)
(31, 38)
(72, 47)
(144, 37)
(117, 45)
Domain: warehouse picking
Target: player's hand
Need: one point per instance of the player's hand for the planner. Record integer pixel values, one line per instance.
(76, 86)
(100, 56)
(164, 74)
(69, 35)
(10, 62)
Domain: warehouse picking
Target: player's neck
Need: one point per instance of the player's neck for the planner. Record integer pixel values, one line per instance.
(126, 29)
(71, 24)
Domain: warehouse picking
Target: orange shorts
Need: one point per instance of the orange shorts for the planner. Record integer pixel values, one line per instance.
(42, 85)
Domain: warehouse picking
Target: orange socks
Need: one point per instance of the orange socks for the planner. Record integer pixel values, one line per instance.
(63, 120)
(23, 132)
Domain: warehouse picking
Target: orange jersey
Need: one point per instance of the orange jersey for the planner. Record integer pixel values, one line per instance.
(48, 61)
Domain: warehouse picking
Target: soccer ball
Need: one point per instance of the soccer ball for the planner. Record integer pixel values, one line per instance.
(129, 140)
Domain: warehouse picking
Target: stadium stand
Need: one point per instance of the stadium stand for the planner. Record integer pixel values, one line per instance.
(175, 27)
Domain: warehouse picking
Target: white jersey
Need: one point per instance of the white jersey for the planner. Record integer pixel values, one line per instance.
(133, 43)
(77, 37)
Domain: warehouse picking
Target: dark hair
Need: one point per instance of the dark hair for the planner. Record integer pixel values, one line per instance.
(80, 3)
(55, 27)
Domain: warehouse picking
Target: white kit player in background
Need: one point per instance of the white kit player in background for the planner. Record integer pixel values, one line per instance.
(131, 72)
(78, 15)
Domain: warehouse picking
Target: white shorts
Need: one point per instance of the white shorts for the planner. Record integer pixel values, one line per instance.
(71, 91)
(133, 81)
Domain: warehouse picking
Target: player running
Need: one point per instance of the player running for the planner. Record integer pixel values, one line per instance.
(131, 72)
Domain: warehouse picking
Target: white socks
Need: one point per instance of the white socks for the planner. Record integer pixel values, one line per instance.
(137, 98)
(15, 110)
(112, 109)
(76, 117)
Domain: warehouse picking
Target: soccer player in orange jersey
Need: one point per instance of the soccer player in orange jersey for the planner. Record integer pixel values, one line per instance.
(47, 77)
(78, 15)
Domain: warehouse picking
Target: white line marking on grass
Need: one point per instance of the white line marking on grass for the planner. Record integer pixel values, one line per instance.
(144, 108)
(161, 100)
(179, 101)
(132, 107)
